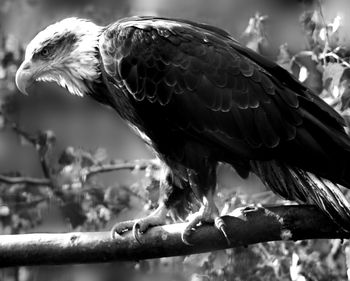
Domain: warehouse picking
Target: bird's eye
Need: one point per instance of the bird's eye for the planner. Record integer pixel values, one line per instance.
(45, 52)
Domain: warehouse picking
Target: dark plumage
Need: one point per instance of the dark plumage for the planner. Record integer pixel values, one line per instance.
(200, 98)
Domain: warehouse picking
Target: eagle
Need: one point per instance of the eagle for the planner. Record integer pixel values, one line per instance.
(199, 98)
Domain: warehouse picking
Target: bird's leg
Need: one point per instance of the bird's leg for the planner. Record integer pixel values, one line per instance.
(208, 212)
(169, 194)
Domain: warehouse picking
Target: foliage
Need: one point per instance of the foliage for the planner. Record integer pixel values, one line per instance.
(73, 196)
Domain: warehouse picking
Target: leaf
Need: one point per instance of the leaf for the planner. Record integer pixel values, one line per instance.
(152, 187)
(303, 74)
(70, 175)
(117, 197)
(86, 158)
(220, 260)
(295, 269)
(68, 156)
(336, 23)
(46, 138)
(2, 122)
(197, 260)
(283, 58)
(255, 36)
(100, 155)
(335, 33)
(74, 213)
(305, 66)
(4, 211)
(104, 213)
(2, 72)
(324, 33)
(199, 277)
(96, 193)
(331, 78)
(24, 141)
(312, 24)
(344, 89)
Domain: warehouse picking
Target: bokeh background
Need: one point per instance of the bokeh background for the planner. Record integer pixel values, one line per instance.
(83, 126)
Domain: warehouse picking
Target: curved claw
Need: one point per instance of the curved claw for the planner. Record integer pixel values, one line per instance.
(121, 227)
(113, 232)
(220, 225)
(187, 231)
(184, 239)
(136, 231)
(140, 226)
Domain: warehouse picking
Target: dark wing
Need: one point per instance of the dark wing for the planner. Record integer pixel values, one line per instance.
(205, 84)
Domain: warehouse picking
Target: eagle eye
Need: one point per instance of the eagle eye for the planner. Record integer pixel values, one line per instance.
(45, 52)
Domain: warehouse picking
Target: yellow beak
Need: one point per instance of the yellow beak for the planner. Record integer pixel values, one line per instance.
(24, 77)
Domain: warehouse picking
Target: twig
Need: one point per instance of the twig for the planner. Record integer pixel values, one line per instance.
(44, 144)
(110, 167)
(258, 225)
(335, 102)
(28, 137)
(41, 141)
(45, 166)
(347, 259)
(326, 45)
(24, 180)
(86, 172)
(339, 59)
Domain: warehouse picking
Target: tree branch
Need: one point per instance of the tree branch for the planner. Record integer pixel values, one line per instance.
(125, 165)
(87, 172)
(258, 225)
(25, 180)
(42, 142)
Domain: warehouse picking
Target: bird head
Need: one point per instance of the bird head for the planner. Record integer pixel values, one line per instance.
(65, 52)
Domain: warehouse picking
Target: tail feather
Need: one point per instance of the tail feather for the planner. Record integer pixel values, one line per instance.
(298, 185)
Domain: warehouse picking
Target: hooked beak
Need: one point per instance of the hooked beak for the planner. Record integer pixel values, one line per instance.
(24, 77)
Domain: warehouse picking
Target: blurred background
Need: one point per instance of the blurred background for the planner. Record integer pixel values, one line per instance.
(306, 37)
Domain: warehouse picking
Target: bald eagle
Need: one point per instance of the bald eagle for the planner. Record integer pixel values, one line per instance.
(199, 98)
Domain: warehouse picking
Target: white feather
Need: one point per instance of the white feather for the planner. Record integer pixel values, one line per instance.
(80, 64)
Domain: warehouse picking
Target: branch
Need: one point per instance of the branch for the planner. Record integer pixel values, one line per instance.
(25, 180)
(27, 136)
(258, 225)
(110, 167)
(86, 172)
(41, 141)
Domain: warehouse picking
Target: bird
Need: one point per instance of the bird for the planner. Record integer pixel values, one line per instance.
(199, 98)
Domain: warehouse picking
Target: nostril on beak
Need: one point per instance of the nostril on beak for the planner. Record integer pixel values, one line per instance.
(26, 66)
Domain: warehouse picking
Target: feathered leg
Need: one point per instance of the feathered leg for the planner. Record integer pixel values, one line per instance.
(169, 196)
(203, 184)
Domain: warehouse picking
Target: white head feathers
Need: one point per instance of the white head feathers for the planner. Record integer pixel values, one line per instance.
(72, 45)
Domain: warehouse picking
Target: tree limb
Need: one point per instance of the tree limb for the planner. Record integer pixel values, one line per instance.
(87, 172)
(25, 180)
(125, 165)
(42, 142)
(257, 225)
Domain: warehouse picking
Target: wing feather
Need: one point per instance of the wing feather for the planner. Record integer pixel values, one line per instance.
(202, 83)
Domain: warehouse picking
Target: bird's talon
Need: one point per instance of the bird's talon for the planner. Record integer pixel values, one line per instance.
(221, 226)
(120, 228)
(184, 237)
(115, 232)
(136, 232)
